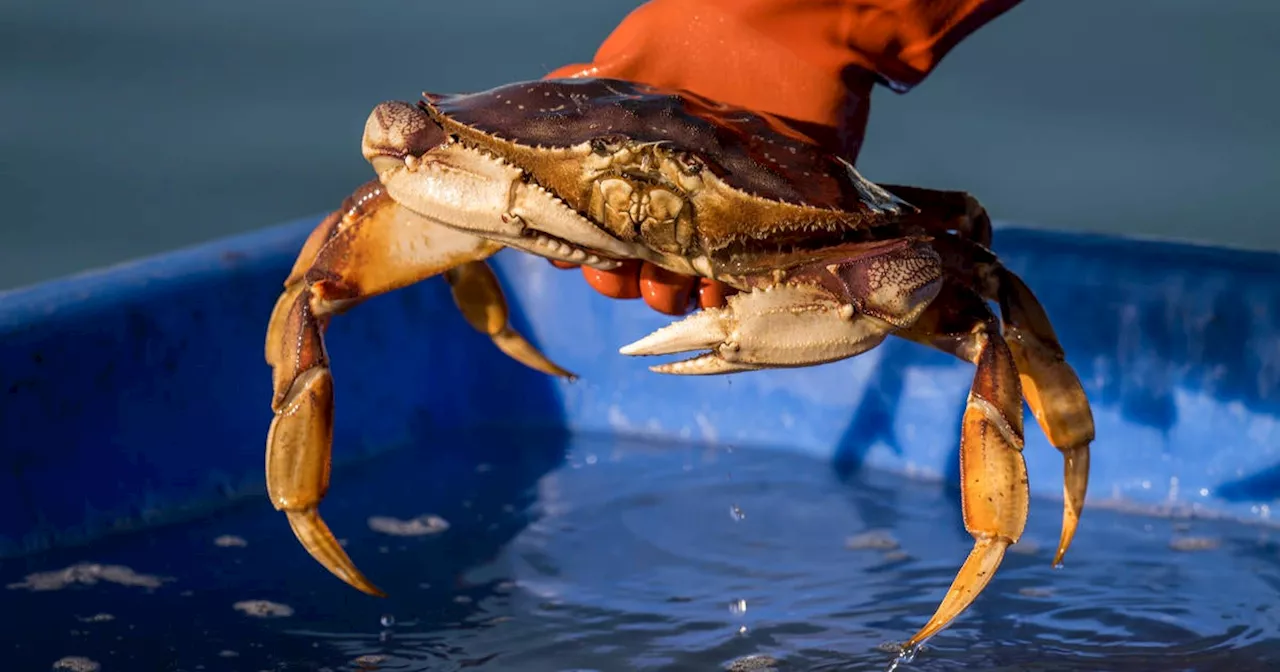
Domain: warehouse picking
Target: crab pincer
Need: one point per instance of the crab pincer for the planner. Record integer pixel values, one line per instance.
(819, 312)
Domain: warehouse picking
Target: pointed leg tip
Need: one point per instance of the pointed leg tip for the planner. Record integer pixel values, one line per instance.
(557, 372)
(1062, 551)
(1075, 485)
(970, 581)
(352, 577)
(369, 589)
(517, 347)
(318, 540)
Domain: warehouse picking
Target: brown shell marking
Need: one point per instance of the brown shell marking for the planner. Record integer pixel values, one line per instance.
(749, 151)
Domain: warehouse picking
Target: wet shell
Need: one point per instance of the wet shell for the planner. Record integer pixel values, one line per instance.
(750, 151)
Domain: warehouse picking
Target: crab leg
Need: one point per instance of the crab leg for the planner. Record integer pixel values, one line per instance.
(993, 486)
(1052, 390)
(956, 211)
(369, 247)
(1050, 386)
(479, 297)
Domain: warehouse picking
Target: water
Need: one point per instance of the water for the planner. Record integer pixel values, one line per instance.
(621, 557)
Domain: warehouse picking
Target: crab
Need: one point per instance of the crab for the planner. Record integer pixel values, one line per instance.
(820, 265)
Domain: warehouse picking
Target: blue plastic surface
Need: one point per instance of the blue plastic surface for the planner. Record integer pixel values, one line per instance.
(138, 394)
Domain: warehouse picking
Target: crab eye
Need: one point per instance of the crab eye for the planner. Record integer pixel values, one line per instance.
(607, 145)
(690, 163)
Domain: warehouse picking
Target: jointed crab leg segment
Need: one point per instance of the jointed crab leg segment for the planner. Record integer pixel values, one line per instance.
(479, 297)
(954, 210)
(1052, 390)
(375, 246)
(994, 492)
(1050, 386)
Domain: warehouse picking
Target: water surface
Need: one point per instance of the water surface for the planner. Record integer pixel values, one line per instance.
(638, 556)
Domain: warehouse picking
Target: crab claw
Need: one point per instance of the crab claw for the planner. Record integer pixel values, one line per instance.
(829, 310)
(780, 326)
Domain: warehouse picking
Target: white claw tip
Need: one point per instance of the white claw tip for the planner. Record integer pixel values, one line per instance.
(706, 365)
(636, 348)
(699, 331)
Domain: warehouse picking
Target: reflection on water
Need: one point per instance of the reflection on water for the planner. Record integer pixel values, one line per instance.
(596, 569)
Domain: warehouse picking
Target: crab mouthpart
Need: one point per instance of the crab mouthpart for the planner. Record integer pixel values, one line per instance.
(464, 186)
(397, 131)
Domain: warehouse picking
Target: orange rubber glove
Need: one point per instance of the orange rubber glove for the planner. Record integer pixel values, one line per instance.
(811, 62)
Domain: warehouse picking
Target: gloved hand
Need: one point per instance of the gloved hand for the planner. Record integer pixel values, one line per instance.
(811, 62)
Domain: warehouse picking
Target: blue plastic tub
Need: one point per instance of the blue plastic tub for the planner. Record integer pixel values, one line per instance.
(136, 400)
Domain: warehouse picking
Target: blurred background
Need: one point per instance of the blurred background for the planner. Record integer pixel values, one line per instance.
(127, 129)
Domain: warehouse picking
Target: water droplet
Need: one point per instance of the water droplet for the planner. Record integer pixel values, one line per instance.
(737, 513)
(388, 620)
(905, 656)
(738, 606)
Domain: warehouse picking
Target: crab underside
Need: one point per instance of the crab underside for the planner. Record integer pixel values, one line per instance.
(826, 265)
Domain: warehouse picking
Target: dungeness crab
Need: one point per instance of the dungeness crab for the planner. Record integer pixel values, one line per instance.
(822, 264)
